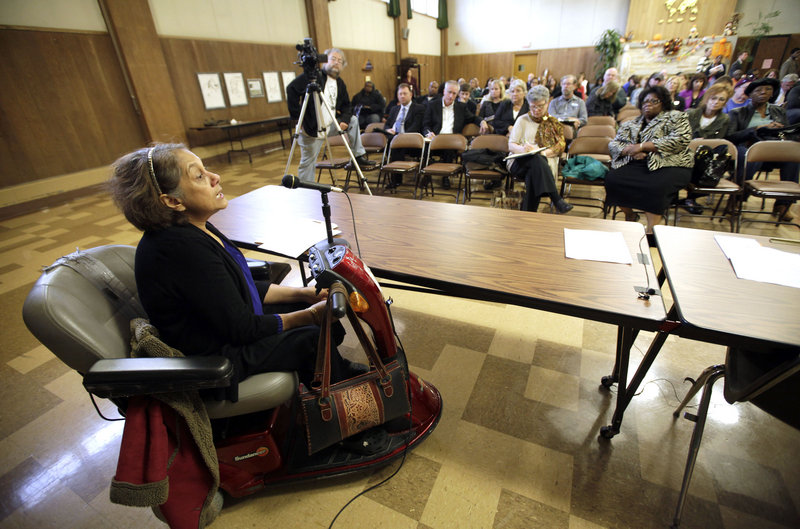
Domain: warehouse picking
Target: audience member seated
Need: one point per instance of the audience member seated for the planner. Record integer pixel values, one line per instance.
(553, 86)
(787, 83)
(739, 98)
(710, 122)
(534, 130)
(406, 116)
(602, 100)
(620, 98)
(631, 84)
(582, 86)
(465, 96)
(568, 107)
(368, 105)
(772, 73)
(705, 62)
(655, 79)
(694, 93)
(447, 116)
(745, 123)
(740, 62)
(792, 105)
(650, 158)
(476, 92)
(791, 65)
(433, 93)
(673, 86)
(715, 70)
(511, 109)
(489, 103)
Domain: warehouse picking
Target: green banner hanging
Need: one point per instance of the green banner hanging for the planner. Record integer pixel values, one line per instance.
(393, 8)
(441, 21)
(408, 9)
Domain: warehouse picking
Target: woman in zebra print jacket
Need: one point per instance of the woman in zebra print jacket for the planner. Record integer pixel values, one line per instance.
(650, 158)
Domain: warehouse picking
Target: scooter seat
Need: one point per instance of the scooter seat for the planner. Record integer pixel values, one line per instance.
(82, 324)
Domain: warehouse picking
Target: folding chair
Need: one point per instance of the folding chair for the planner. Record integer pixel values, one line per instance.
(494, 142)
(602, 131)
(601, 120)
(470, 130)
(405, 141)
(373, 142)
(597, 148)
(771, 151)
(725, 188)
(457, 144)
(330, 164)
(770, 380)
(372, 127)
(626, 114)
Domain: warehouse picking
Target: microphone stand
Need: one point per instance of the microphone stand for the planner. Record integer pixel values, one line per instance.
(326, 213)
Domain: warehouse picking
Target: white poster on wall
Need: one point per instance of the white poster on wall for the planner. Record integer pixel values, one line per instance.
(211, 88)
(234, 82)
(287, 78)
(273, 86)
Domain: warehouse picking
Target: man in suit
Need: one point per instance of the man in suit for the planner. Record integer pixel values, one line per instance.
(406, 116)
(334, 91)
(447, 116)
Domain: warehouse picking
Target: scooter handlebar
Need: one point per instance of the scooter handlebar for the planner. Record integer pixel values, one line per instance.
(338, 294)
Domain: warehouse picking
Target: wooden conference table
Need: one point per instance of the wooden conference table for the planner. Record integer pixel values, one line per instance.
(711, 304)
(480, 253)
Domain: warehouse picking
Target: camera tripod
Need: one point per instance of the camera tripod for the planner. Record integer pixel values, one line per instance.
(314, 91)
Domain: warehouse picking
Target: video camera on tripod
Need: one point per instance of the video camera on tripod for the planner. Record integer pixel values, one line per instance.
(308, 57)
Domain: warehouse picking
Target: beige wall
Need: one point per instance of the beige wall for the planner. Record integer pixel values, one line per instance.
(80, 15)
(361, 25)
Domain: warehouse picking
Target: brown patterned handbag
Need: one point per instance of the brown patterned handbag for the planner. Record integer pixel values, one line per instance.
(335, 412)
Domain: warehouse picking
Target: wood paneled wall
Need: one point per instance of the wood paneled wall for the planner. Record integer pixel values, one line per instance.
(644, 16)
(559, 62)
(64, 105)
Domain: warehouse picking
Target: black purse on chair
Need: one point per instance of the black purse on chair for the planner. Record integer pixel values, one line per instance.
(710, 165)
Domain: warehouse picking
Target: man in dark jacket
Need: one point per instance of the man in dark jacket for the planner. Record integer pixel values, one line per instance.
(313, 136)
(368, 105)
(447, 116)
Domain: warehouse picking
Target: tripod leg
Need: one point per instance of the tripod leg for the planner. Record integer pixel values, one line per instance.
(361, 178)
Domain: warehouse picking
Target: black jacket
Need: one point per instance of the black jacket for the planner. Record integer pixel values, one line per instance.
(196, 295)
(413, 121)
(715, 131)
(504, 115)
(294, 99)
(433, 117)
(371, 103)
(738, 130)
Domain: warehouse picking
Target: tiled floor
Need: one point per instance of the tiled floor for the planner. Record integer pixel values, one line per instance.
(517, 446)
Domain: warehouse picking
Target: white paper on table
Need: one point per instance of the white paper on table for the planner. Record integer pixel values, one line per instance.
(303, 234)
(732, 246)
(591, 245)
(767, 265)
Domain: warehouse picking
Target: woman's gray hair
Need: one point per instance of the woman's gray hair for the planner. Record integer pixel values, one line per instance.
(517, 82)
(537, 93)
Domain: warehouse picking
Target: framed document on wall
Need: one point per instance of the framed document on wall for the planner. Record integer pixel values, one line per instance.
(211, 88)
(273, 86)
(234, 82)
(254, 87)
(287, 77)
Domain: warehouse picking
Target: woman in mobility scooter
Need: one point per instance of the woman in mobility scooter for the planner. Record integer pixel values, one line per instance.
(192, 284)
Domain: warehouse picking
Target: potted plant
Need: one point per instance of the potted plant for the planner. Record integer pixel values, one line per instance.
(608, 48)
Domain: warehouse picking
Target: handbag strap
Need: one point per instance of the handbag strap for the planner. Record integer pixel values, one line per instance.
(322, 372)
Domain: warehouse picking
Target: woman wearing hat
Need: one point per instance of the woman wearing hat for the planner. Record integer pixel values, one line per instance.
(742, 131)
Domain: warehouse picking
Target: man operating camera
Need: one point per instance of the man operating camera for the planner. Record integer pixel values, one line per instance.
(334, 92)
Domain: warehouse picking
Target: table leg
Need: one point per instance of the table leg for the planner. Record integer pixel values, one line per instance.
(625, 390)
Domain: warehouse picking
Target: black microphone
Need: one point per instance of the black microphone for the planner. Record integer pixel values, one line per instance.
(292, 182)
